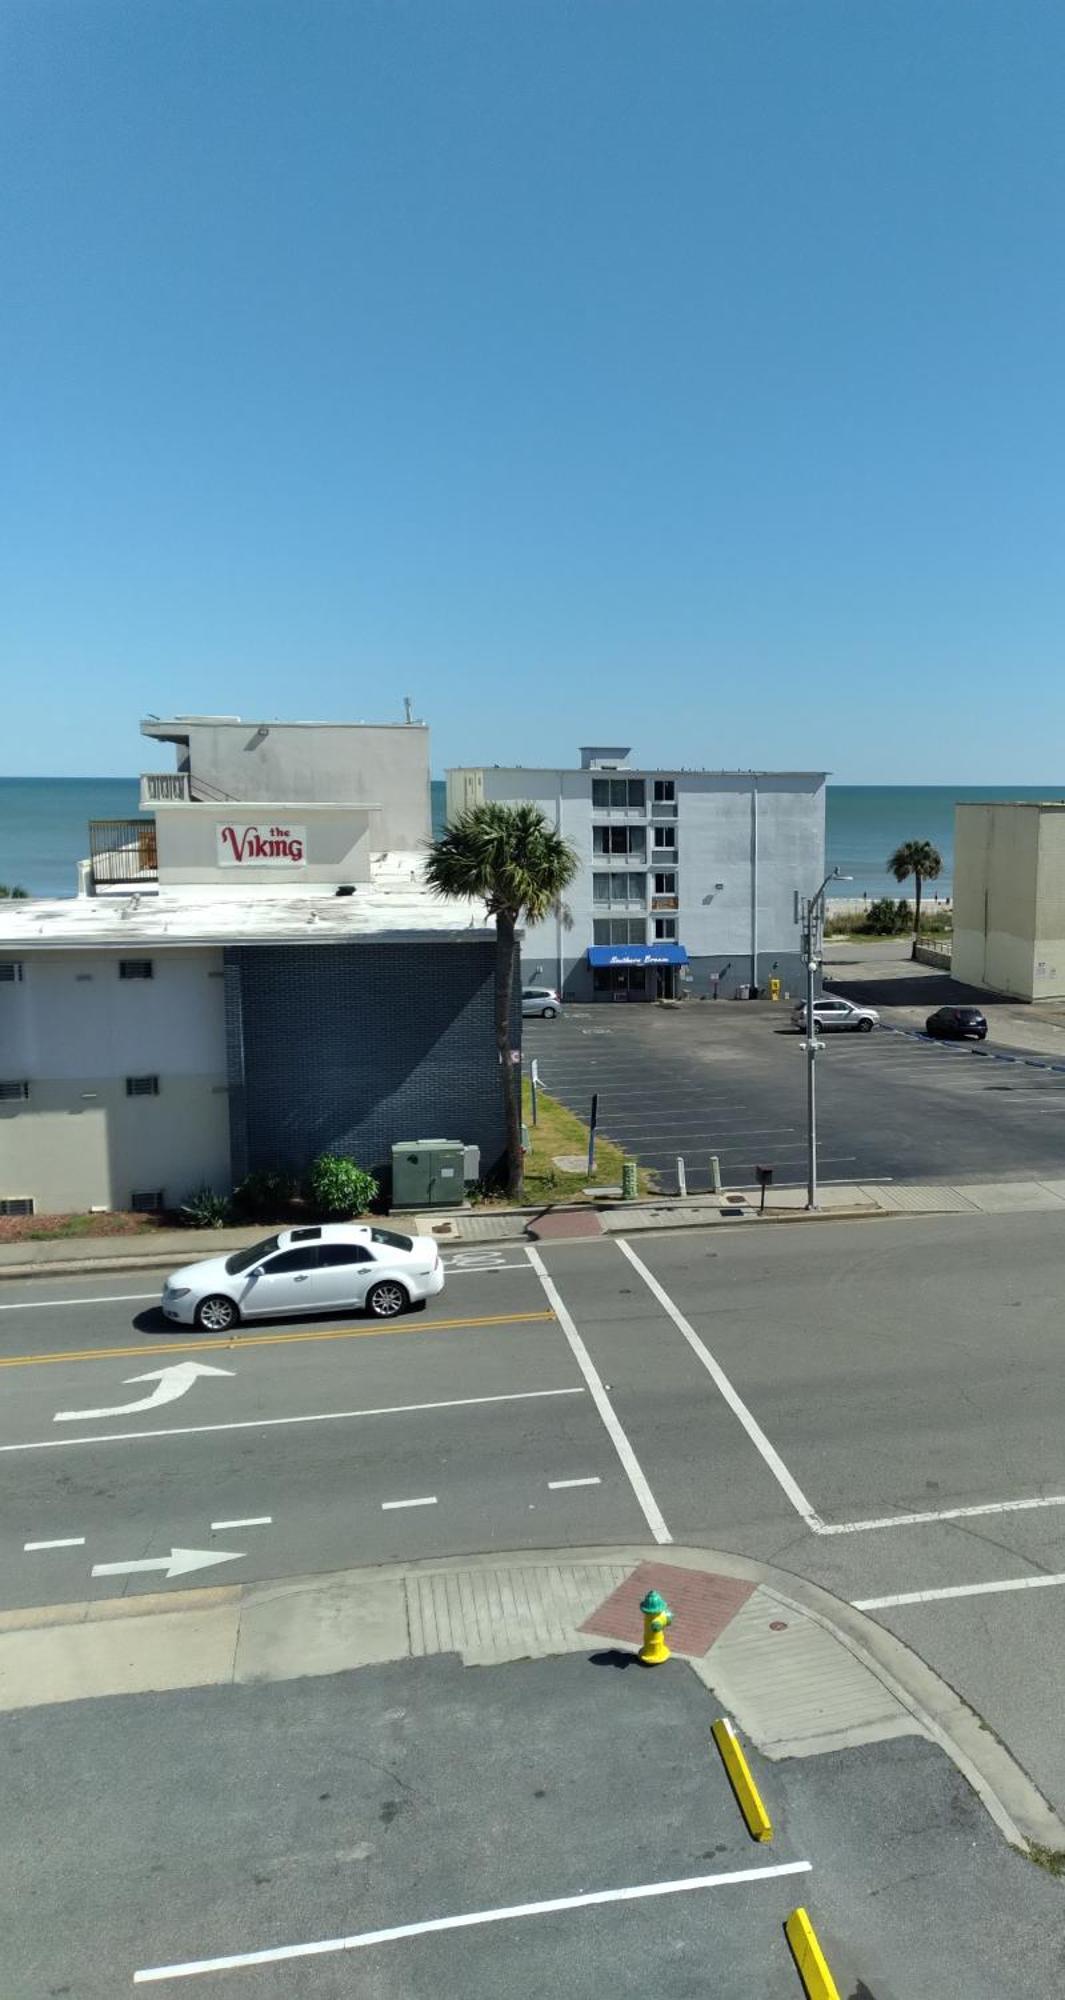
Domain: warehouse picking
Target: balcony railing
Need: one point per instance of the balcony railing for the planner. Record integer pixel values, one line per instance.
(123, 851)
(159, 786)
(665, 902)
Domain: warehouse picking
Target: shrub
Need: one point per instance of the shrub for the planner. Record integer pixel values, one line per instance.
(264, 1196)
(886, 918)
(337, 1187)
(204, 1209)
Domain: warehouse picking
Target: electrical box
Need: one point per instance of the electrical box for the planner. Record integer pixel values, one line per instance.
(428, 1173)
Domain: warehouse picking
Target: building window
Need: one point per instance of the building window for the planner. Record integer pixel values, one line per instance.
(600, 888)
(624, 840)
(11, 1089)
(666, 883)
(10, 971)
(665, 791)
(619, 889)
(146, 1201)
(142, 1086)
(135, 968)
(619, 930)
(619, 793)
(16, 1204)
(665, 927)
(665, 836)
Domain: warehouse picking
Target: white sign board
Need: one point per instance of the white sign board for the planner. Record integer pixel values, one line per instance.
(263, 845)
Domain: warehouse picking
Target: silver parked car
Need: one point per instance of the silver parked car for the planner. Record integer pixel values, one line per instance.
(541, 1001)
(330, 1267)
(837, 1014)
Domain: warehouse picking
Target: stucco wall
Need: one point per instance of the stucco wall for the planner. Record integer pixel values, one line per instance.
(996, 866)
(337, 845)
(74, 1031)
(327, 761)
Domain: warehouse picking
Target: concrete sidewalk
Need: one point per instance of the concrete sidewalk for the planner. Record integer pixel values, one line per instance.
(801, 1672)
(487, 1226)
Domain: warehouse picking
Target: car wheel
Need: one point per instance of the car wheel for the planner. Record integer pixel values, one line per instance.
(216, 1314)
(549, 1013)
(865, 1027)
(386, 1299)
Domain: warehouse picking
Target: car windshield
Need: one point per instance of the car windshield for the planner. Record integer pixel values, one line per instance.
(392, 1239)
(242, 1260)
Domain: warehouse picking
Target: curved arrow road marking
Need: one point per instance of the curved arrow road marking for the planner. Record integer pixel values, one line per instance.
(174, 1381)
(178, 1563)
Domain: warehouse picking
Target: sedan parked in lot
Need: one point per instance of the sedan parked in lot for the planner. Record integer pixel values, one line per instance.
(330, 1267)
(540, 1001)
(957, 1024)
(837, 1014)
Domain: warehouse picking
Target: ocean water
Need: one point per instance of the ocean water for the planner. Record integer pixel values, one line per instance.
(43, 827)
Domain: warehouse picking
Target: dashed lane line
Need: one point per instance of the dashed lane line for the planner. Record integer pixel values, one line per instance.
(234, 1342)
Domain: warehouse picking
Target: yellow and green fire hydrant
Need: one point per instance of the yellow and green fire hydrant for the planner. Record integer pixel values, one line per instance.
(656, 1616)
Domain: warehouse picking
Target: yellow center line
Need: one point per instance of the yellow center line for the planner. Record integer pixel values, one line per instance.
(232, 1342)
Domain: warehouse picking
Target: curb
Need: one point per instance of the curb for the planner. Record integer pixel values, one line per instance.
(1010, 1797)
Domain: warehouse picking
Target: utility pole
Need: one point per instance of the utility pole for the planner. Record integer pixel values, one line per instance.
(813, 927)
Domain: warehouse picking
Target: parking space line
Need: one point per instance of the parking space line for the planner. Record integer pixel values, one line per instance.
(558, 1485)
(925, 1518)
(276, 1423)
(252, 1521)
(468, 1920)
(426, 1500)
(64, 1542)
(735, 1401)
(633, 1470)
(958, 1590)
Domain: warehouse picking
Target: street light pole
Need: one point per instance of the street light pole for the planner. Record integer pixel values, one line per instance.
(813, 926)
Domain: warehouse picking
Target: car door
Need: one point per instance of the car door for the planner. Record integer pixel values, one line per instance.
(287, 1283)
(344, 1274)
(831, 1013)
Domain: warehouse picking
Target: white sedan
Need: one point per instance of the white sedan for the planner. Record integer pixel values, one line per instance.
(327, 1267)
(837, 1014)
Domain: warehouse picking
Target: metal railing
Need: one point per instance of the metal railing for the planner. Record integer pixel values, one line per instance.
(123, 850)
(158, 786)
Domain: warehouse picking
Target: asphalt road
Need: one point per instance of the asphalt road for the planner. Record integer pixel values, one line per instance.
(877, 1406)
(730, 1080)
(230, 1823)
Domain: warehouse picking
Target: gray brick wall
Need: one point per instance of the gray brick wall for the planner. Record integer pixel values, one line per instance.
(349, 1048)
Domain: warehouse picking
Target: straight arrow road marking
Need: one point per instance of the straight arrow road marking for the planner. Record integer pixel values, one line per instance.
(178, 1563)
(173, 1381)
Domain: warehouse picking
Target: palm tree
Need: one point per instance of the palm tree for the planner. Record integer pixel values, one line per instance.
(924, 862)
(512, 859)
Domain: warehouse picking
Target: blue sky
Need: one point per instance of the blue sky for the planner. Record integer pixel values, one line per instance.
(685, 374)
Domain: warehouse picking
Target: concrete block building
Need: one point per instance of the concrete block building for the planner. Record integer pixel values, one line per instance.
(245, 981)
(1009, 897)
(688, 881)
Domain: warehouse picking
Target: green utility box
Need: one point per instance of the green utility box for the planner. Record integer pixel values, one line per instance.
(428, 1173)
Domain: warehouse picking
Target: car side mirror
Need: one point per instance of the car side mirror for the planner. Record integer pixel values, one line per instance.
(256, 1271)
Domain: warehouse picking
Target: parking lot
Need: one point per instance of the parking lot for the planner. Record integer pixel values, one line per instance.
(730, 1079)
(553, 1826)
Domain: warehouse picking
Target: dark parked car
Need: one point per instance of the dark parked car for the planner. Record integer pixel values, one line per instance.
(957, 1024)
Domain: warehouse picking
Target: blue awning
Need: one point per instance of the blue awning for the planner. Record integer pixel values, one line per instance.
(637, 954)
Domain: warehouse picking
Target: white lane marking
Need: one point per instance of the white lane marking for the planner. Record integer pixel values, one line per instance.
(734, 1400)
(178, 1563)
(466, 1921)
(113, 1299)
(559, 1485)
(66, 1542)
(428, 1500)
(939, 1514)
(175, 1380)
(633, 1470)
(273, 1423)
(478, 1270)
(252, 1521)
(957, 1590)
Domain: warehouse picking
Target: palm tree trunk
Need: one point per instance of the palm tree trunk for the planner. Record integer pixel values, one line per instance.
(916, 912)
(510, 1073)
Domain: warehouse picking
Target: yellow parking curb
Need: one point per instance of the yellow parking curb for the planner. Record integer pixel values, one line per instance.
(758, 1821)
(809, 1958)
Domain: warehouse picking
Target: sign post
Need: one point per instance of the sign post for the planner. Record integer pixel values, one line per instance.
(592, 1123)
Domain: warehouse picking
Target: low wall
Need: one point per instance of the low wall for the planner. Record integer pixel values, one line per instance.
(938, 955)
